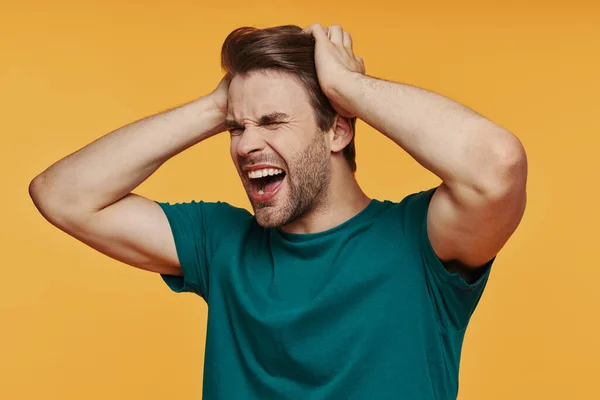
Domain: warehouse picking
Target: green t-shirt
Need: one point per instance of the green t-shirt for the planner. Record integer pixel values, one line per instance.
(364, 310)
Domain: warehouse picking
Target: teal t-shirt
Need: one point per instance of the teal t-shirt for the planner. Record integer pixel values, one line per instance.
(364, 310)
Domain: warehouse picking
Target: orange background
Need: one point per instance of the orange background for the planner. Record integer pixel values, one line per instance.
(78, 325)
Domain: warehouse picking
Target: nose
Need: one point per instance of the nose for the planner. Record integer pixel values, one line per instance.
(250, 142)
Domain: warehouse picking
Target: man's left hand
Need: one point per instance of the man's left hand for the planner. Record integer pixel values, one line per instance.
(335, 63)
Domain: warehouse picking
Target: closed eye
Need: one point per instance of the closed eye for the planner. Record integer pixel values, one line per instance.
(269, 125)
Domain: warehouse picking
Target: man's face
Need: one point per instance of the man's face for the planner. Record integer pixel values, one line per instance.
(282, 157)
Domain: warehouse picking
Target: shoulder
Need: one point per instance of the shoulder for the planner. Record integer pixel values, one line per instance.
(410, 211)
(207, 215)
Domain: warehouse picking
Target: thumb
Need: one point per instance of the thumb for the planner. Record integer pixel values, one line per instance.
(361, 62)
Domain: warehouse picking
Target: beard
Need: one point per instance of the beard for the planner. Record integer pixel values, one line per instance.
(307, 182)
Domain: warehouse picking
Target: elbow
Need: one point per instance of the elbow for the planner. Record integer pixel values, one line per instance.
(45, 200)
(512, 161)
(510, 169)
(35, 190)
(58, 206)
(38, 193)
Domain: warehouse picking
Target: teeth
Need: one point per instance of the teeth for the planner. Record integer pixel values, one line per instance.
(261, 192)
(261, 173)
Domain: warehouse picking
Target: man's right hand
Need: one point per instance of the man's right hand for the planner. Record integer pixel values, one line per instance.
(219, 95)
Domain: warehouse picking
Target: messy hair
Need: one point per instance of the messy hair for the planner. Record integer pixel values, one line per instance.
(284, 49)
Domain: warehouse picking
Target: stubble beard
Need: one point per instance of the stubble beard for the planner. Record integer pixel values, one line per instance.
(308, 180)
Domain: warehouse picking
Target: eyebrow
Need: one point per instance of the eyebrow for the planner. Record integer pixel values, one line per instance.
(265, 119)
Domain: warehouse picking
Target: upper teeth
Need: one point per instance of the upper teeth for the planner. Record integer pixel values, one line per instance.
(261, 173)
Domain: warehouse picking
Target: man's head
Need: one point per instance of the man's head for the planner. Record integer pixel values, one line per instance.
(281, 123)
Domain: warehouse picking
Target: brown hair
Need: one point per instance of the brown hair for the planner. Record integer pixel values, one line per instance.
(285, 49)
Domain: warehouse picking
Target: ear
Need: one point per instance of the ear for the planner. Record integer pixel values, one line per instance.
(340, 134)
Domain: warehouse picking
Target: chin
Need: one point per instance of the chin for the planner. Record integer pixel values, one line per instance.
(271, 213)
(268, 217)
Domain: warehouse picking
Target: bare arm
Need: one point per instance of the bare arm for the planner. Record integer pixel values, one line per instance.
(483, 167)
(88, 193)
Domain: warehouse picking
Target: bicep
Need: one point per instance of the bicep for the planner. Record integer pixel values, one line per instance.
(469, 227)
(133, 230)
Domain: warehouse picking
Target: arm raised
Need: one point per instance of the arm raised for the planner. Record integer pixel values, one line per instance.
(88, 193)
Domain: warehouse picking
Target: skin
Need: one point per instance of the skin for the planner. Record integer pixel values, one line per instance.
(483, 167)
(293, 143)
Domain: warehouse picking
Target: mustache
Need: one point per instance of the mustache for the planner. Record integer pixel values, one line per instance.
(245, 162)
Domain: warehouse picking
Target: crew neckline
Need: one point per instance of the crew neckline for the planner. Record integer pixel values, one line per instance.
(365, 213)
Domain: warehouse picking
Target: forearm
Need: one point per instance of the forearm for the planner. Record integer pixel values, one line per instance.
(109, 168)
(455, 143)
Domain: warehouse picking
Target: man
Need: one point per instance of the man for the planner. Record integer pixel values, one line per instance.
(323, 293)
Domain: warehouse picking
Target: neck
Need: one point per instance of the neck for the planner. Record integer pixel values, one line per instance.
(343, 200)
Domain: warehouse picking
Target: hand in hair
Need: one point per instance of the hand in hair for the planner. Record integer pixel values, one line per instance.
(219, 95)
(335, 63)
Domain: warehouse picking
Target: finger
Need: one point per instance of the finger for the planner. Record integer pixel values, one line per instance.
(362, 64)
(347, 40)
(335, 34)
(317, 31)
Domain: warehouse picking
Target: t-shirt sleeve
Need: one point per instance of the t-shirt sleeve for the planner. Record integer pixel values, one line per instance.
(454, 299)
(199, 228)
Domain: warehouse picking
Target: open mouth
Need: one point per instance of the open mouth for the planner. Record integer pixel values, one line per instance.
(265, 183)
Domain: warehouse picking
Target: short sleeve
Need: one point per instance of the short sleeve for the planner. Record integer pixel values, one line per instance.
(453, 298)
(199, 228)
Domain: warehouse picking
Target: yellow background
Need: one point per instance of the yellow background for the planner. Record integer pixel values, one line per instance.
(78, 325)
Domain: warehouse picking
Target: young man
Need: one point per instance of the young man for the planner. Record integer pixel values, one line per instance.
(323, 293)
